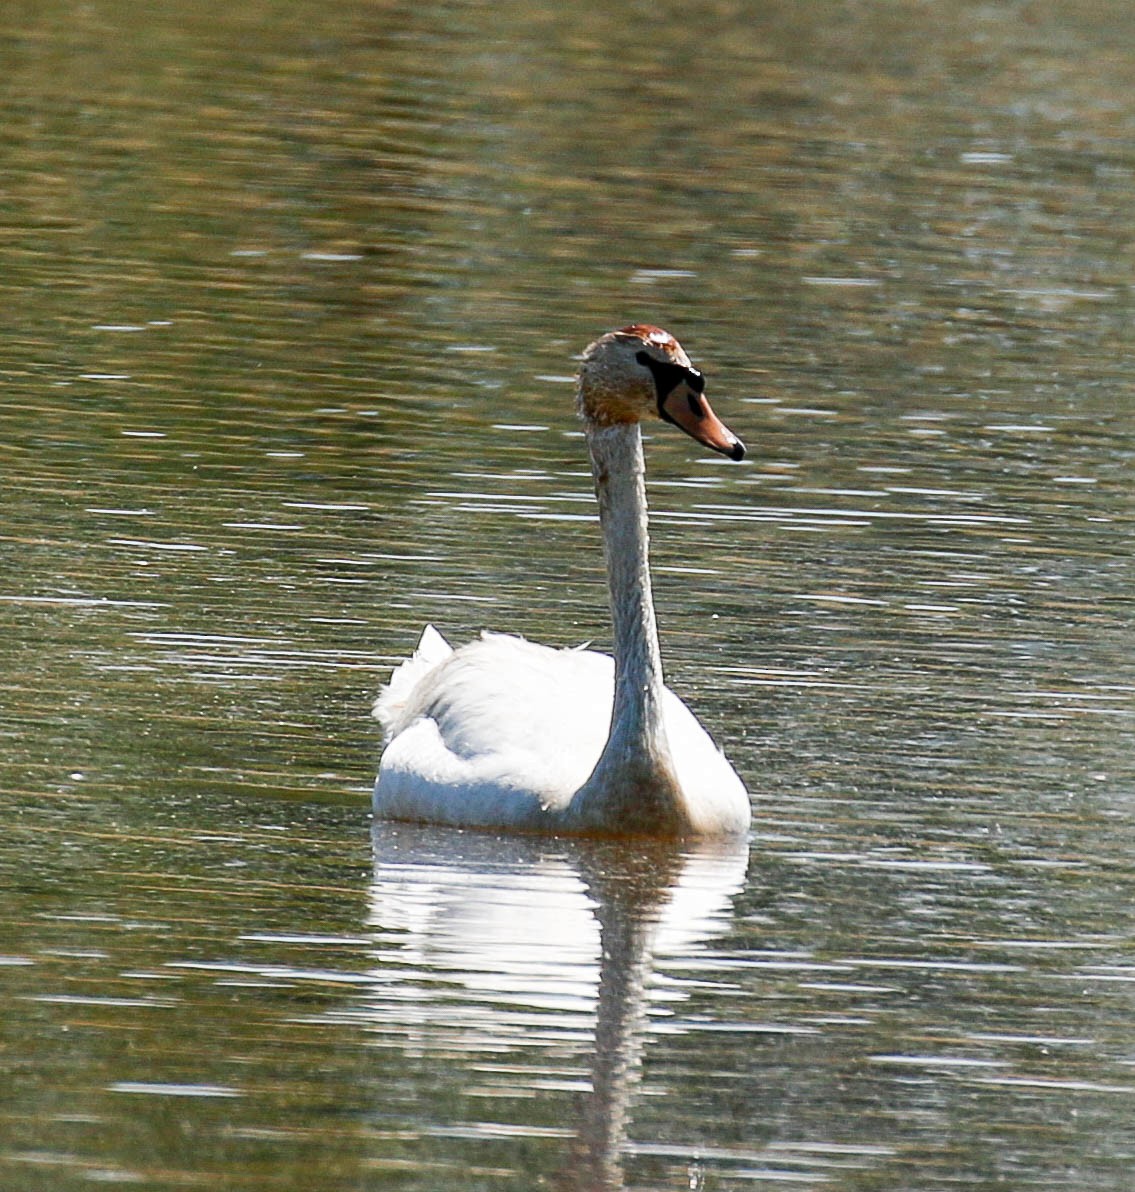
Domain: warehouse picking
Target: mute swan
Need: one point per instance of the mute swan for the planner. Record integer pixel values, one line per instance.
(505, 734)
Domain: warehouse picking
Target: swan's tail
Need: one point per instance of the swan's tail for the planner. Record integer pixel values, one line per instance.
(432, 648)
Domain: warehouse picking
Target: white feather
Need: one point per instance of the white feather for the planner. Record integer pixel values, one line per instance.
(431, 650)
(503, 732)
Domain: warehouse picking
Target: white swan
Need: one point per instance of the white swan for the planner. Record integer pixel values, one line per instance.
(505, 734)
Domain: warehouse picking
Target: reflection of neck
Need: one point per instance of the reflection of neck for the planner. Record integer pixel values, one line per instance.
(633, 783)
(618, 1042)
(629, 891)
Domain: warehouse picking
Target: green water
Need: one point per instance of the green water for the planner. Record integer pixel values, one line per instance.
(291, 297)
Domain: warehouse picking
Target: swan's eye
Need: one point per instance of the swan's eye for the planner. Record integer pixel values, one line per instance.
(668, 375)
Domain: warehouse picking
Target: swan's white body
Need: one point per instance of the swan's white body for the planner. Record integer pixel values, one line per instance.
(505, 734)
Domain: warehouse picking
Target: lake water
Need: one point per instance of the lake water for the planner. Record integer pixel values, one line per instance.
(292, 293)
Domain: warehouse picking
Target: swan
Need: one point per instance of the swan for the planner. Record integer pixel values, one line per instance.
(504, 734)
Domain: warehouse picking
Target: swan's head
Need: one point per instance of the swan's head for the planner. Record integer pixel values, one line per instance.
(641, 372)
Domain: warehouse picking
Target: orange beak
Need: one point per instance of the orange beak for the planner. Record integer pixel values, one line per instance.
(689, 410)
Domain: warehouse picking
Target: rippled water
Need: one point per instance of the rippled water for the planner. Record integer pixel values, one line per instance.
(292, 298)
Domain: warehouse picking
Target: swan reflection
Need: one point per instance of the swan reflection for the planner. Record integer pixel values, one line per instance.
(538, 953)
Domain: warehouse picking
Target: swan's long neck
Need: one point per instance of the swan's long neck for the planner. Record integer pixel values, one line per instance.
(620, 484)
(633, 784)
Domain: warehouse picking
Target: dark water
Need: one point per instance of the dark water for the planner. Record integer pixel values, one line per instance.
(291, 294)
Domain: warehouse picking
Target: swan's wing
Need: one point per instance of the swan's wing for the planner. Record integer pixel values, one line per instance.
(502, 692)
(432, 649)
(498, 733)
